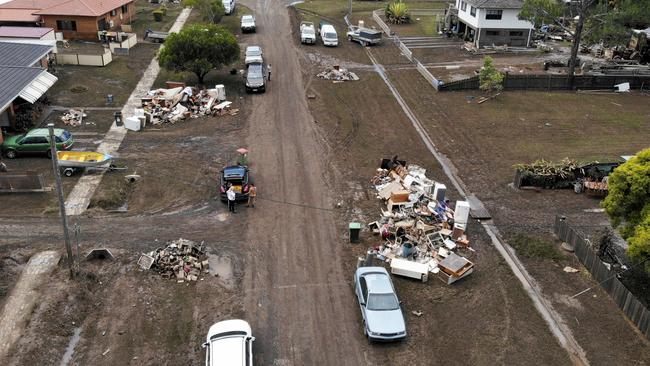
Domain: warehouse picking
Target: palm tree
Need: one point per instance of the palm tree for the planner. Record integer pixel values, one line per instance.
(397, 12)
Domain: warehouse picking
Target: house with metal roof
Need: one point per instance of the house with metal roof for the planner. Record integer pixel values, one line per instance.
(493, 22)
(23, 70)
(74, 19)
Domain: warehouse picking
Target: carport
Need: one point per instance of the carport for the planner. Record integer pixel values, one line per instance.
(22, 68)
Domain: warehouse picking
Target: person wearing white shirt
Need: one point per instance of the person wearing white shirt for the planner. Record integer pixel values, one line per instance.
(230, 193)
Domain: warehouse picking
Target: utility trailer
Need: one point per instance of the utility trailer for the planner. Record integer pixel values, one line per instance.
(156, 36)
(365, 36)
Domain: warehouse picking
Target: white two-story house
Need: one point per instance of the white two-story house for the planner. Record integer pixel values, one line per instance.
(493, 22)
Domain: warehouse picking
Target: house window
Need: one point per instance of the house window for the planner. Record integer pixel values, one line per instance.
(66, 25)
(492, 33)
(491, 14)
(125, 9)
(113, 12)
(516, 33)
(472, 11)
(463, 6)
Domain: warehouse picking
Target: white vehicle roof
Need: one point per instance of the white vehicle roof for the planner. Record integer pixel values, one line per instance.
(253, 51)
(227, 341)
(328, 28)
(247, 17)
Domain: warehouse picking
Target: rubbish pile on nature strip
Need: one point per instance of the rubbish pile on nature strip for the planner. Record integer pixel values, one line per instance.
(182, 259)
(73, 117)
(176, 104)
(337, 74)
(419, 223)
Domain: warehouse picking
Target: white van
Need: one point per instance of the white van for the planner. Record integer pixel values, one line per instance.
(230, 343)
(229, 6)
(328, 34)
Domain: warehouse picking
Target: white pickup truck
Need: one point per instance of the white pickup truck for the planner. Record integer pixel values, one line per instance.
(307, 33)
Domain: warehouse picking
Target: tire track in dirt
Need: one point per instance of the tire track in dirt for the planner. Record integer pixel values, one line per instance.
(292, 246)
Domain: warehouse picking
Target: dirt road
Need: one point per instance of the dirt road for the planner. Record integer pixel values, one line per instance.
(297, 296)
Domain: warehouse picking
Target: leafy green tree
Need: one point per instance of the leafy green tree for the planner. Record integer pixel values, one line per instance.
(557, 12)
(619, 17)
(211, 10)
(628, 203)
(490, 79)
(592, 20)
(199, 48)
(639, 243)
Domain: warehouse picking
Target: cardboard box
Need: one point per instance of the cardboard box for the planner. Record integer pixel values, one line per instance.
(400, 196)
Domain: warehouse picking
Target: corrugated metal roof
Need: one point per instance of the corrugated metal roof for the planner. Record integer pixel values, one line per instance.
(22, 54)
(15, 80)
(496, 4)
(17, 75)
(38, 87)
(24, 32)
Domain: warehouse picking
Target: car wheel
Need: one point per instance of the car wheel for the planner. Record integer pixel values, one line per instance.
(68, 172)
(350, 38)
(49, 154)
(11, 154)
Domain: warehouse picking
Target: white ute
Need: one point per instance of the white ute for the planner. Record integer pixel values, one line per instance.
(228, 6)
(229, 343)
(253, 55)
(307, 33)
(247, 23)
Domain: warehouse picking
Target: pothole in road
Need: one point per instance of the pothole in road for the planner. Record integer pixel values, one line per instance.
(222, 268)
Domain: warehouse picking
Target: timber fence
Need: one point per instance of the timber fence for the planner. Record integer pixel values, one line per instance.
(553, 82)
(624, 299)
(428, 76)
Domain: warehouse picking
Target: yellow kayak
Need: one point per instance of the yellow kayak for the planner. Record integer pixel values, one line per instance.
(82, 159)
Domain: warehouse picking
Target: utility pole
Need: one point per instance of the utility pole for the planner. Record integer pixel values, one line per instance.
(59, 191)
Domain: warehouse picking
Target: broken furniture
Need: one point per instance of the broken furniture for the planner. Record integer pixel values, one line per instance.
(418, 228)
(181, 259)
(453, 268)
(337, 73)
(411, 269)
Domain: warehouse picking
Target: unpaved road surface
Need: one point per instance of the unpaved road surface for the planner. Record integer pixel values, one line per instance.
(297, 296)
(23, 298)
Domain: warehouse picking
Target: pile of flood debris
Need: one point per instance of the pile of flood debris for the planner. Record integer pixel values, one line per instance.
(170, 105)
(422, 232)
(182, 259)
(73, 117)
(337, 73)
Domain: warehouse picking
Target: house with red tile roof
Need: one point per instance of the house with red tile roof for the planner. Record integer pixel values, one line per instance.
(76, 19)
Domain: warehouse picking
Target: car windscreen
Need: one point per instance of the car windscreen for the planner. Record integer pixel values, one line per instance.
(65, 136)
(254, 52)
(308, 31)
(382, 302)
(330, 35)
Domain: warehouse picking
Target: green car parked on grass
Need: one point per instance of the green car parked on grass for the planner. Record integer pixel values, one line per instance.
(36, 141)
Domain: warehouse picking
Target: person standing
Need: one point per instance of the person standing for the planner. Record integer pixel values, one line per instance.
(252, 194)
(231, 195)
(269, 70)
